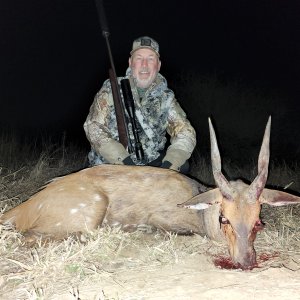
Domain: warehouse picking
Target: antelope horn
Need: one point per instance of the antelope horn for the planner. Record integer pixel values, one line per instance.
(258, 184)
(220, 179)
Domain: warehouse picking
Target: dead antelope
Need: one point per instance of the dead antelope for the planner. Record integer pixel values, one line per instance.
(136, 196)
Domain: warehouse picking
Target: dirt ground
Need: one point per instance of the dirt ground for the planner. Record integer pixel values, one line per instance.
(193, 278)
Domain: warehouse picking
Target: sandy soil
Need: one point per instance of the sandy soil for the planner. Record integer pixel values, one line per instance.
(193, 278)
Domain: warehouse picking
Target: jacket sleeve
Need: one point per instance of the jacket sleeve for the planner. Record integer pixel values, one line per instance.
(101, 130)
(182, 134)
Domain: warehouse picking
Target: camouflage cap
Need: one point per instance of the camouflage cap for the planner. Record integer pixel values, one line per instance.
(145, 42)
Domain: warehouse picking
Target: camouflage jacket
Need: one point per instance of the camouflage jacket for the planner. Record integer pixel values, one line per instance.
(157, 112)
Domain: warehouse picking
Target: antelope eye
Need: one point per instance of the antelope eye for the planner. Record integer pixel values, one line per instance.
(223, 220)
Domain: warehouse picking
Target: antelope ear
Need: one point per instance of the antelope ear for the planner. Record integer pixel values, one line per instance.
(278, 198)
(203, 201)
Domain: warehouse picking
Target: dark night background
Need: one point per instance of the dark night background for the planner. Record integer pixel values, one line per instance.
(53, 59)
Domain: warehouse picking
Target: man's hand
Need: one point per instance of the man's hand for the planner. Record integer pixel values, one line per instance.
(115, 153)
(174, 159)
(128, 161)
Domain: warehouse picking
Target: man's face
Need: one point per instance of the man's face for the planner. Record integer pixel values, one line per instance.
(145, 65)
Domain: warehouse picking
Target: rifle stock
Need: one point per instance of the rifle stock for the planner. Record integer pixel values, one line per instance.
(119, 110)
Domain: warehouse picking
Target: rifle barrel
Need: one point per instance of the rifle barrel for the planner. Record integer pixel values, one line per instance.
(102, 18)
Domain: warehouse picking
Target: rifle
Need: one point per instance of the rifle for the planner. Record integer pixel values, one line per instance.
(119, 109)
(127, 95)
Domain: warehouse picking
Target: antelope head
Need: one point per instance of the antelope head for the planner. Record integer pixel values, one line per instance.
(239, 204)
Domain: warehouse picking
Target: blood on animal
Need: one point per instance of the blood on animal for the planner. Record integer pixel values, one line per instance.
(224, 262)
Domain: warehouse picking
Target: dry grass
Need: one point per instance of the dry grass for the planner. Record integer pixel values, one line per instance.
(44, 272)
(60, 268)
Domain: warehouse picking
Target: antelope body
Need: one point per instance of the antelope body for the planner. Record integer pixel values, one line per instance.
(137, 196)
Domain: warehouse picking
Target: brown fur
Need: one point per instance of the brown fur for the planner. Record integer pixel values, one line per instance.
(126, 196)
